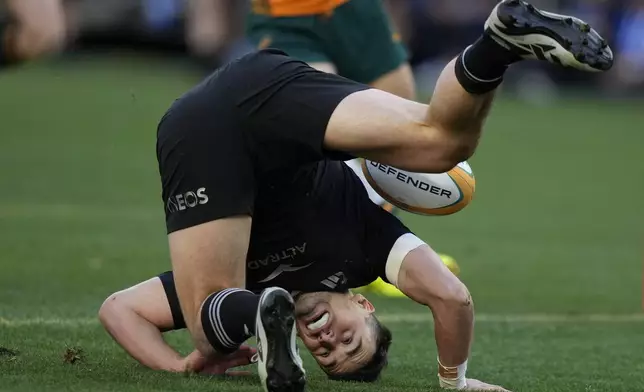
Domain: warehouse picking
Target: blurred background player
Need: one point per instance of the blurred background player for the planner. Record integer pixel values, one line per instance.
(30, 29)
(353, 38)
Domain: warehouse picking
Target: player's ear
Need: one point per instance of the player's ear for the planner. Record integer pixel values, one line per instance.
(363, 302)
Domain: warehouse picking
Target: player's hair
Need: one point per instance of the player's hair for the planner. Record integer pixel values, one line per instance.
(370, 372)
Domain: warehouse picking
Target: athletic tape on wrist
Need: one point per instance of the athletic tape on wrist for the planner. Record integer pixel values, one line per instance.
(452, 377)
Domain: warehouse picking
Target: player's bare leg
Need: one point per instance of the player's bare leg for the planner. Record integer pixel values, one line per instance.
(209, 263)
(207, 259)
(435, 137)
(401, 83)
(35, 28)
(385, 83)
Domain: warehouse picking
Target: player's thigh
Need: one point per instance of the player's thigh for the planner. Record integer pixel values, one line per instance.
(208, 190)
(361, 42)
(383, 127)
(304, 114)
(42, 24)
(45, 13)
(208, 258)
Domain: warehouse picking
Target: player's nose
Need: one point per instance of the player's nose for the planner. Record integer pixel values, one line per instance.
(327, 337)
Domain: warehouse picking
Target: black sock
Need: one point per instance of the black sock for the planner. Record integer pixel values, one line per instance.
(480, 67)
(228, 318)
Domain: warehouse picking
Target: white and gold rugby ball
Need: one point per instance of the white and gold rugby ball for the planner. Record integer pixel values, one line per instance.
(422, 193)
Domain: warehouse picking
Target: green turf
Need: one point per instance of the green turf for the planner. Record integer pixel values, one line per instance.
(555, 229)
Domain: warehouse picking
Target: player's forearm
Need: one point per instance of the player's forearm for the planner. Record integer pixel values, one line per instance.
(453, 328)
(426, 280)
(140, 338)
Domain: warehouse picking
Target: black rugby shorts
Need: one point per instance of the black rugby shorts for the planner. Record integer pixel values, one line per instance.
(262, 112)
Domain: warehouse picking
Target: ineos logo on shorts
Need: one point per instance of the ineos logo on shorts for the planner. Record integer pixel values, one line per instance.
(186, 200)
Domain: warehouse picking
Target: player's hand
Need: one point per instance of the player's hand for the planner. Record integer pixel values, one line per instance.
(476, 385)
(196, 362)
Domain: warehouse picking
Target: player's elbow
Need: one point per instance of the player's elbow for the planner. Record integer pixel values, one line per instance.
(452, 298)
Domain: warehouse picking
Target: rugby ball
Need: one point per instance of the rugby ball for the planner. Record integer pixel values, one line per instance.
(422, 193)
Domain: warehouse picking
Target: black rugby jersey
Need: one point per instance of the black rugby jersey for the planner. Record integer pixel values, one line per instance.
(314, 229)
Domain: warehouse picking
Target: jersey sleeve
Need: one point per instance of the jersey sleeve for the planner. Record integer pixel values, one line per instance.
(386, 242)
(167, 279)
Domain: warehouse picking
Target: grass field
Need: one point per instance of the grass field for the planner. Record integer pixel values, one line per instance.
(551, 248)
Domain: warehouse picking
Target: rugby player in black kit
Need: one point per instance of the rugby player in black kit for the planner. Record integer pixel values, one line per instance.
(316, 234)
(266, 112)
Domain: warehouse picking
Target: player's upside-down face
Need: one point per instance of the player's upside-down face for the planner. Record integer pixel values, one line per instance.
(335, 329)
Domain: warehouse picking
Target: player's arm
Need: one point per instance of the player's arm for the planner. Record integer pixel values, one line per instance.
(423, 277)
(136, 318)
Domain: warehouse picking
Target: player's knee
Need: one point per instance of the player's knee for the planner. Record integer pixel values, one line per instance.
(462, 150)
(112, 305)
(451, 151)
(453, 295)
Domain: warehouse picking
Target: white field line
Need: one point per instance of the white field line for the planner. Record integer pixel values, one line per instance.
(531, 318)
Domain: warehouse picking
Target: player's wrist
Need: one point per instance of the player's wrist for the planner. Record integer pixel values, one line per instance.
(452, 377)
